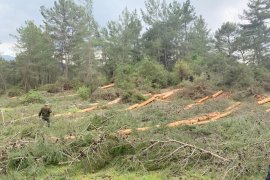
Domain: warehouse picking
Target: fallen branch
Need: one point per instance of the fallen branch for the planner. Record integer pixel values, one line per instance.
(197, 148)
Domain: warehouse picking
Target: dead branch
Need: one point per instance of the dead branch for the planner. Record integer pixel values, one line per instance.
(193, 147)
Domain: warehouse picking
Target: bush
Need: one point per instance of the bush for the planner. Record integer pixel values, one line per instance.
(198, 89)
(84, 92)
(154, 73)
(33, 97)
(106, 94)
(144, 75)
(92, 78)
(132, 96)
(182, 71)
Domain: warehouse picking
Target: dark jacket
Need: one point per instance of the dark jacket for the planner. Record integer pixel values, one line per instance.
(268, 175)
(45, 112)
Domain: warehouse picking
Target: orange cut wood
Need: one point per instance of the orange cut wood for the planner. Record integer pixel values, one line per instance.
(125, 131)
(133, 106)
(233, 106)
(115, 101)
(202, 100)
(217, 94)
(107, 86)
(189, 106)
(264, 101)
(268, 110)
(148, 94)
(143, 129)
(88, 109)
(147, 102)
(216, 118)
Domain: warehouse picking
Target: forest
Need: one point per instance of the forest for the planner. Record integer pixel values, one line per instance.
(71, 48)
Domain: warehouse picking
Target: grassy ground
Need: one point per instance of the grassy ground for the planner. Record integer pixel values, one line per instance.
(243, 138)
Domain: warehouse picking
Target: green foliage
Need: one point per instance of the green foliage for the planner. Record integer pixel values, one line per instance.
(34, 63)
(132, 96)
(28, 132)
(201, 87)
(144, 75)
(19, 160)
(106, 94)
(33, 97)
(182, 71)
(50, 154)
(84, 92)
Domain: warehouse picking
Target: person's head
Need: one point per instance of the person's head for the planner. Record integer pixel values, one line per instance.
(46, 105)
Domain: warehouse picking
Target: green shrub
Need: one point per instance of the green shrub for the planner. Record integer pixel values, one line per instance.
(132, 96)
(84, 92)
(93, 78)
(197, 89)
(51, 154)
(106, 94)
(33, 97)
(182, 71)
(144, 75)
(154, 73)
(19, 160)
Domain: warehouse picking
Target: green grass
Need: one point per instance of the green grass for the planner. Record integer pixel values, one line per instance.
(242, 137)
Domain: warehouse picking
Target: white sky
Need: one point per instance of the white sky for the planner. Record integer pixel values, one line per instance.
(13, 14)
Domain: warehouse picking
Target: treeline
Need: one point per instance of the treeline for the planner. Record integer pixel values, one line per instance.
(162, 45)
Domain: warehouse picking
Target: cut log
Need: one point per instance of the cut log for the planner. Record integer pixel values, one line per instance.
(233, 106)
(202, 100)
(148, 94)
(133, 106)
(264, 101)
(216, 118)
(268, 110)
(143, 129)
(148, 101)
(116, 101)
(107, 86)
(194, 120)
(170, 93)
(88, 109)
(189, 106)
(69, 137)
(217, 94)
(124, 132)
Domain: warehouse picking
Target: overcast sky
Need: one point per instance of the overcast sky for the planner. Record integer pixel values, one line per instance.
(13, 14)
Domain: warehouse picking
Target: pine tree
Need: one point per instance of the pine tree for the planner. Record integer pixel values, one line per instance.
(256, 31)
(66, 23)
